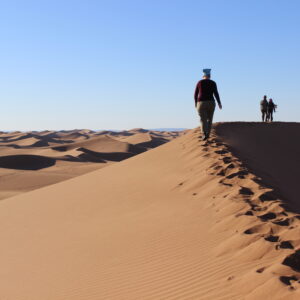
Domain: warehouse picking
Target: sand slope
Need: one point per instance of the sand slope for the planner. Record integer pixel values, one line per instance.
(187, 220)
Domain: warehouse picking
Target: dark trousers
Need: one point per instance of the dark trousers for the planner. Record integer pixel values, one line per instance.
(264, 115)
(270, 116)
(206, 112)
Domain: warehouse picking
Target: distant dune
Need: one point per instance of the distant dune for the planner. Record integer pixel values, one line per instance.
(168, 129)
(187, 220)
(30, 160)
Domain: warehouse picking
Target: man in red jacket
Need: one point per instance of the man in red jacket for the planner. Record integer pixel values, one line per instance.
(205, 94)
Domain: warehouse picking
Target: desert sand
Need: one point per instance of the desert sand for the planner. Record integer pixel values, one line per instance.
(186, 220)
(30, 160)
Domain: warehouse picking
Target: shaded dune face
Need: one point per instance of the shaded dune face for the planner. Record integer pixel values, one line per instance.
(105, 156)
(26, 162)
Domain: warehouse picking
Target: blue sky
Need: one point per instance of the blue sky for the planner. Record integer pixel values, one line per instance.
(124, 64)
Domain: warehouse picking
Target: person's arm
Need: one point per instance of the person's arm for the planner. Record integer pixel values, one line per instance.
(216, 94)
(196, 94)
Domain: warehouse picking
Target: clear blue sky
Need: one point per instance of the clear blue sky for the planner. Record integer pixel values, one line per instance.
(122, 64)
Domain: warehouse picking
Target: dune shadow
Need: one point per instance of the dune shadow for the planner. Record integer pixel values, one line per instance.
(87, 157)
(60, 148)
(153, 144)
(26, 162)
(112, 156)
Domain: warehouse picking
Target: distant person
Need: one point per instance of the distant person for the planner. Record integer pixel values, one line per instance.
(271, 109)
(205, 94)
(264, 108)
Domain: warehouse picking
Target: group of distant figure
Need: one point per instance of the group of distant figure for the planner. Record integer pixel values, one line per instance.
(267, 109)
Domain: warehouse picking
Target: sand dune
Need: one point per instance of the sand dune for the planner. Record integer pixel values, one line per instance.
(139, 135)
(60, 155)
(100, 144)
(26, 162)
(146, 140)
(137, 138)
(187, 220)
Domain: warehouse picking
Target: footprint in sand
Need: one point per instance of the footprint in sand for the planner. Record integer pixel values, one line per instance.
(219, 144)
(221, 151)
(227, 159)
(293, 261)
(245, 191)
(230, 166)
(287, 279)
(224, 183)
(285, 245)
(221, 172)
(272, 238)
(260, 270)
(285, 222)
(261, 228)
(249, 213)
(239, 174)
(268, 216)
(268, 196)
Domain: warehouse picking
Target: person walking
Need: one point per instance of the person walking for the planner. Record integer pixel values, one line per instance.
(271, 109)
(205, 94)
(264, 108)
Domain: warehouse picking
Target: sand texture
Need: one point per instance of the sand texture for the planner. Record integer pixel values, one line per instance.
(30, 160)
(186, 220)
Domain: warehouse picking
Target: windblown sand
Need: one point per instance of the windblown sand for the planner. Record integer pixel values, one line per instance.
(186, 220)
